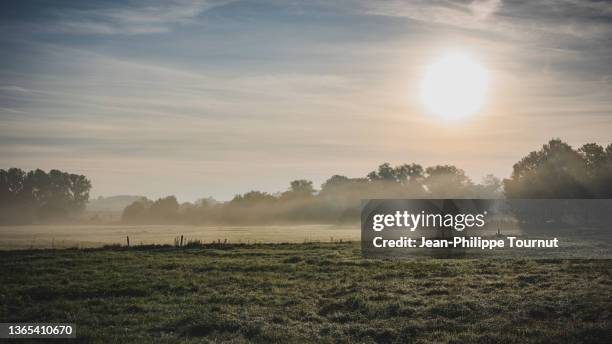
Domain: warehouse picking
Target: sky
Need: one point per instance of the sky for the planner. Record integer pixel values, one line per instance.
(215, 98)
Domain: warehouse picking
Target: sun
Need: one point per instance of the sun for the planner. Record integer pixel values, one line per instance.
(454, 86)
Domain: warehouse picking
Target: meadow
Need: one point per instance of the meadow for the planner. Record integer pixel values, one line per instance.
(90, 236)
(303, 293)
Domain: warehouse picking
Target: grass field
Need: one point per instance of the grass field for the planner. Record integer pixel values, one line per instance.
(88, 236)
(304, 293)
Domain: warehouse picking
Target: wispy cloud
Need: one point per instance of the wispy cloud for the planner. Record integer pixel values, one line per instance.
(13, 89)
(483, 9)
(464, 14)
(574, 18)
(142, 17)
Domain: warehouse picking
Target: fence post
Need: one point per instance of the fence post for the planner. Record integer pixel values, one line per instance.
(128, 240)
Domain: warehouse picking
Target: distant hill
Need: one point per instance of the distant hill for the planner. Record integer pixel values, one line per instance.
(111, 203)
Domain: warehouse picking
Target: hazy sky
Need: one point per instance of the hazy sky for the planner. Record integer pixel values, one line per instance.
(214, 98)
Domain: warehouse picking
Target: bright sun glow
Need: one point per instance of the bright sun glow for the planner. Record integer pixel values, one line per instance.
(454, 86)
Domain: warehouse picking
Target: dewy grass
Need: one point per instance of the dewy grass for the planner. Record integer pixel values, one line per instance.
(304, 293)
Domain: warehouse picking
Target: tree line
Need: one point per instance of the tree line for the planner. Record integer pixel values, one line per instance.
(557, 170)
(37, 195)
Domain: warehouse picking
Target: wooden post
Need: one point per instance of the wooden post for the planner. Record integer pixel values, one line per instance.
(128, 240)
(181, 241)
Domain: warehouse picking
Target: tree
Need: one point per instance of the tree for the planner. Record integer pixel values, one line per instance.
(11, 185)
(300, 188)
(555, 171)
(409, 173)
(78, 187)
(605, 182)
(598, 164)
(334, 182)
(385, 173)
(134, 213)
(403, 174)
(490, 187)
(42, 195)
(165, 209)
(253, 198)
(447, 181)
(594, 157)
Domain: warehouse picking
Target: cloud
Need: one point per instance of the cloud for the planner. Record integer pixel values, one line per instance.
(482, 9)
(443, 12)
(524, 20)
(13, 89)
(139, 18)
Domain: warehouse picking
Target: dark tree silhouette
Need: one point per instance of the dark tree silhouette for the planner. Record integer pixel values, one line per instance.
(135, 213)
(253, 198)
(598, 163)
(300, 188)
(558, 171)
(555, 171)
(334, 182)
(406, 173)
(38, 195)
(447, 181)
(409, 173)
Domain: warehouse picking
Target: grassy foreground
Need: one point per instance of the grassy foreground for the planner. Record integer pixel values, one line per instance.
(304, 293)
